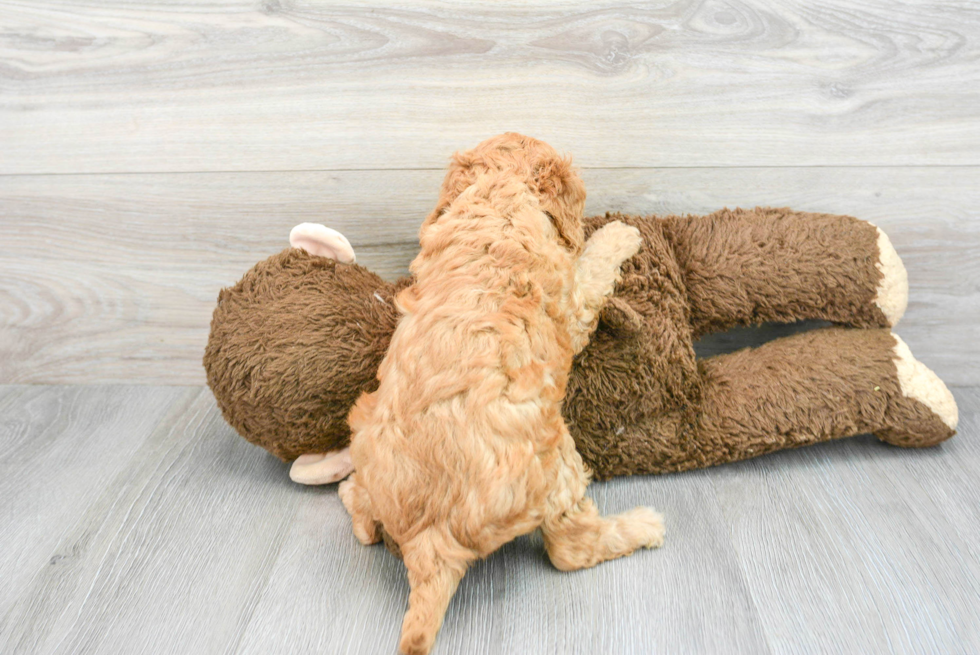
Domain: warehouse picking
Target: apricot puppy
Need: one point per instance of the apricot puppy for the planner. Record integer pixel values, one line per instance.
(463, 447)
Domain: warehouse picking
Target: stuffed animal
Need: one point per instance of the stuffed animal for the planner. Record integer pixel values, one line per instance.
(300, 337)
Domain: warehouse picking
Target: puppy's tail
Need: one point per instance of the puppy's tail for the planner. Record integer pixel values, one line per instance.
(433, 574)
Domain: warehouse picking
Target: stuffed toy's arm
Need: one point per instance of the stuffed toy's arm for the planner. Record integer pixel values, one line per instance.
(334, 465)
(619, 318)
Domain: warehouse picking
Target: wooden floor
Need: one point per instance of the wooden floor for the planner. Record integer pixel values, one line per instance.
(151, 152)
(135, 521)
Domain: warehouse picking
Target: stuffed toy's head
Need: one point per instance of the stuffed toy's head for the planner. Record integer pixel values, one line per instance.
(296, 341)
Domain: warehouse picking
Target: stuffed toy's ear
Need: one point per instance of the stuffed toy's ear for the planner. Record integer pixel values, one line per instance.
(320, 240)
(322, 468)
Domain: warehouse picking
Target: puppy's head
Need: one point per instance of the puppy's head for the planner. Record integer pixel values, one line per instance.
(550, 176)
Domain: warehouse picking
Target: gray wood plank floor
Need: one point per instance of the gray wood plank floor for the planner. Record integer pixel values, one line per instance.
(134, 520)
(151, 152)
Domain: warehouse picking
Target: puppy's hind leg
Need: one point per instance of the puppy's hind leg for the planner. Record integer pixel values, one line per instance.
(577, 537)
(580, 538)
(434, 573)
(358, 504)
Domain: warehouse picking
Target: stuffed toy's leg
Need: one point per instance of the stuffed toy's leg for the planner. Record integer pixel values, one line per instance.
(744, 267)
(819, 385)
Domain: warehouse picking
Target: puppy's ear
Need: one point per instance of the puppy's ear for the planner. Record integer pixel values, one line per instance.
(562, 195)
(459, 176)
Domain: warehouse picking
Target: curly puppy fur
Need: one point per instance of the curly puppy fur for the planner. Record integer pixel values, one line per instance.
(463, 447)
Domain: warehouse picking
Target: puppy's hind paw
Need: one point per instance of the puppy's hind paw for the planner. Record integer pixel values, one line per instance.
(645, 526)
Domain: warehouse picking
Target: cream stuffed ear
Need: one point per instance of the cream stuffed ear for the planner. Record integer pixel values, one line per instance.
(320, 240)
(322, 468)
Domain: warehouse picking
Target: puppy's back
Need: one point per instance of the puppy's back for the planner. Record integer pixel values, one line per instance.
(471, 385)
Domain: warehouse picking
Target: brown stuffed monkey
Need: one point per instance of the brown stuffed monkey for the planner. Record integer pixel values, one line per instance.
(301, 336)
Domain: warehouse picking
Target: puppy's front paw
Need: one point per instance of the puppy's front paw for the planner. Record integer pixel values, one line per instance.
(628, 239)
(615, 242)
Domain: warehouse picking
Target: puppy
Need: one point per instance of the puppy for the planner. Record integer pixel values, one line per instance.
(463, 448)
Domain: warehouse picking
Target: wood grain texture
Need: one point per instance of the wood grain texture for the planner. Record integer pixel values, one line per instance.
(181, 85)
(170, 556)
(59, 448)
(329, 592)
(166, 533)
(113, 278)
(151, 152)
(860, 545)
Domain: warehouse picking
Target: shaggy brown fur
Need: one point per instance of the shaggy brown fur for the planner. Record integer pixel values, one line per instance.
(463, 448)
(666, 411)
(773, 265)
(293, 345)
(638, 401)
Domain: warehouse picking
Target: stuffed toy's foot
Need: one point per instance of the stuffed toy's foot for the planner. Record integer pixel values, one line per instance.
(892, 295)
(322, 468)
(926, 414)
